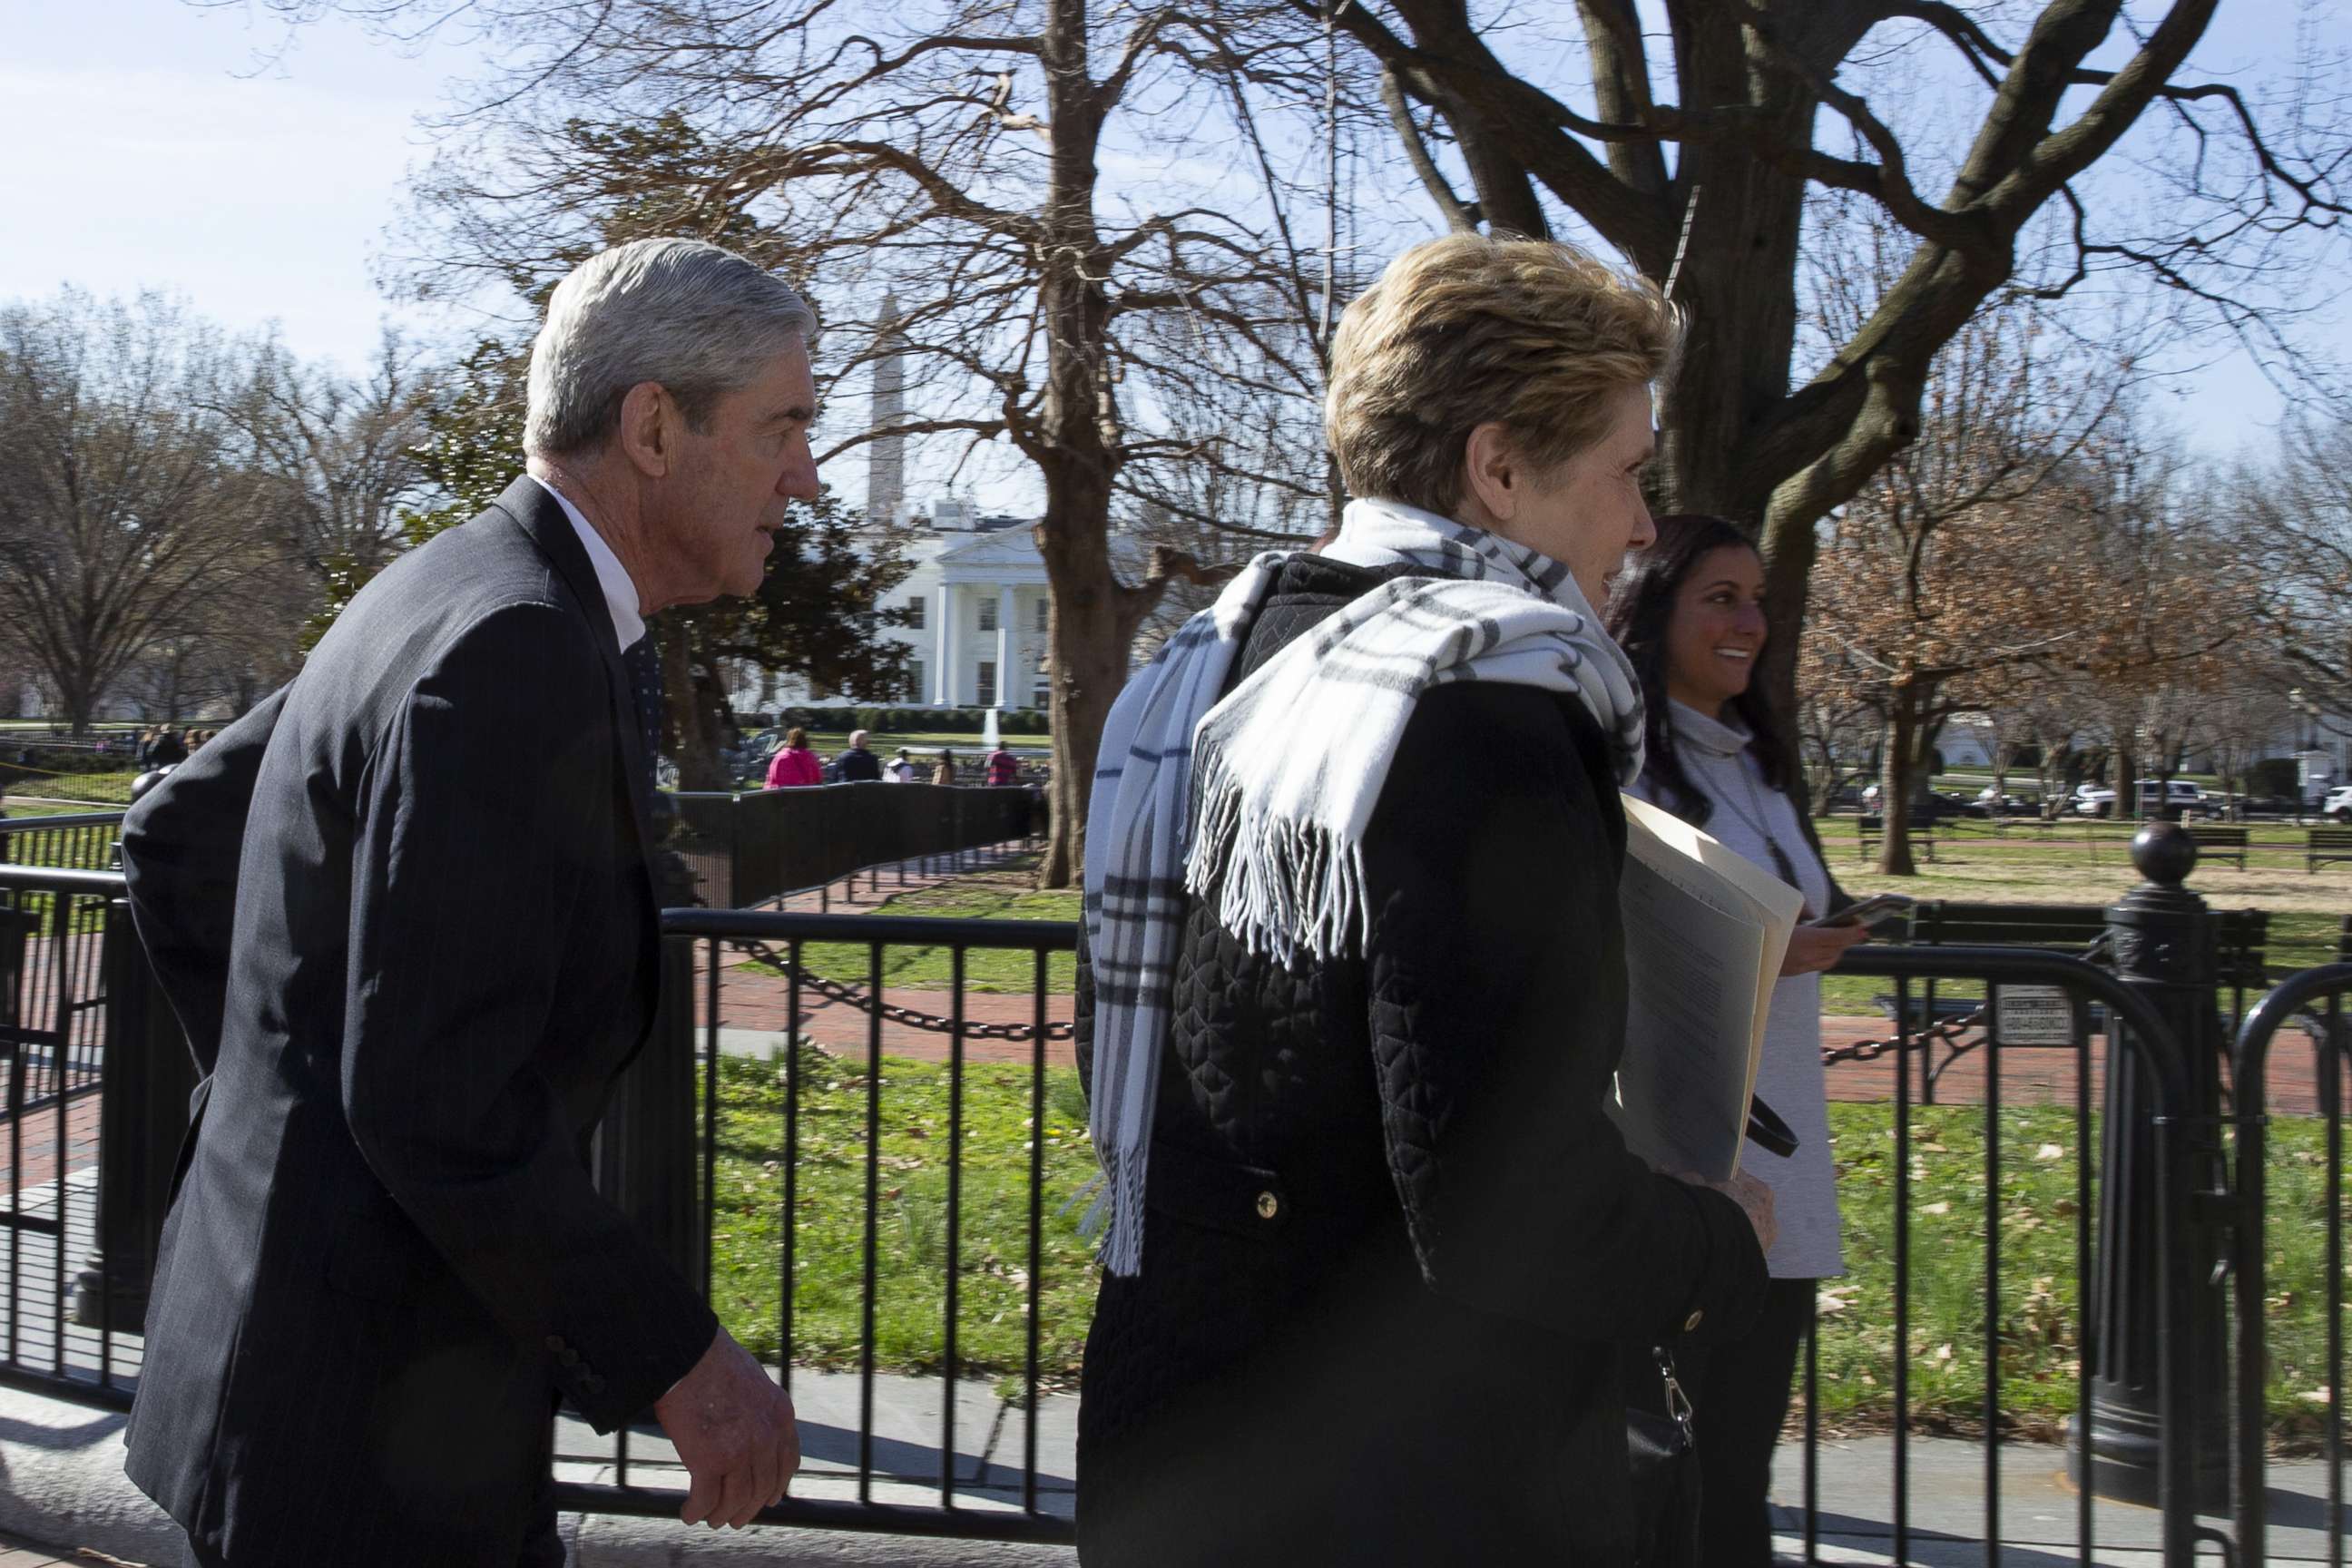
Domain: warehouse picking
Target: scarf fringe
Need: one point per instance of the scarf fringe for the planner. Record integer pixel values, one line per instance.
(1288, 885)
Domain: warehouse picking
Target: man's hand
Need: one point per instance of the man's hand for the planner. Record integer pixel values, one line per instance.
(1816, 947)
(735, 1430)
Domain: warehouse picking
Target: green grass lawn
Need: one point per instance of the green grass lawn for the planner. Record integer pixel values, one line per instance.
(998, 895)
(2039, 1317)
(100, 790)
(911, 1243)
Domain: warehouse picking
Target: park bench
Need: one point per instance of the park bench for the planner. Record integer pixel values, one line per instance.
(2322, 845)
(2220, 843)
(2242, 936)
(1873, 826)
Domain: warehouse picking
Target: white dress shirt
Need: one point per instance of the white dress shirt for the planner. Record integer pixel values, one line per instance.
(620, 591)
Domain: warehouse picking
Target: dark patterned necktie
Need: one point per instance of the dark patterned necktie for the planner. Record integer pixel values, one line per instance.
(645, 687)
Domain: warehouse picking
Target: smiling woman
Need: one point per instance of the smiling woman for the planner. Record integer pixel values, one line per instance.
(1690, 615)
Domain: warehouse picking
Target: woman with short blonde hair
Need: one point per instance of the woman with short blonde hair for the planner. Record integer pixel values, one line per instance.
(1352, 988)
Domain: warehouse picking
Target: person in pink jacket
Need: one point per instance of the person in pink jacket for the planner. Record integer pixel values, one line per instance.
(794, 764)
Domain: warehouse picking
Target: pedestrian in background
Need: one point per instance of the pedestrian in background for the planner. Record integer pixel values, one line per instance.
(857, 765)
(168, 750)
(1003, 768)
(901, 768)
(1689, 612)
(794, 766)
(945, 774)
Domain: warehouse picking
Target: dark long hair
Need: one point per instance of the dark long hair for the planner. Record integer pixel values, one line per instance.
(1641, 612)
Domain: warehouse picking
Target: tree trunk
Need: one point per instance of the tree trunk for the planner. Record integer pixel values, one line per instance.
(1074, 444)
(1897, 781)
(79, 701)
(2127, 780)
(687, 723)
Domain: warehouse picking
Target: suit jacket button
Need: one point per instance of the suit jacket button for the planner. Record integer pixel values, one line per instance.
(1268, 1206)
(1691, 1323)
(568, 1356)
(593, 1383)
(555, 1343)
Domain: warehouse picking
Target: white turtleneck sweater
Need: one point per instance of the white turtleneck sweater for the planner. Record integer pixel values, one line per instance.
(1715, 757)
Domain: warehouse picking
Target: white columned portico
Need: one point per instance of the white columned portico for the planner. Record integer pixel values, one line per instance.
(944, 676)
(1003, 644)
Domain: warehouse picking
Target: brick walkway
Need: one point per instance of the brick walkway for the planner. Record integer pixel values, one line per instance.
(754, 1000)
(34, 1160)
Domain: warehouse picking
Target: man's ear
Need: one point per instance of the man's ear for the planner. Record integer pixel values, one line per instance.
(650, 426)
(1492, 473)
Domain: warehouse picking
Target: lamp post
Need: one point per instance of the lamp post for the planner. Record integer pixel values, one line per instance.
(2163, 938)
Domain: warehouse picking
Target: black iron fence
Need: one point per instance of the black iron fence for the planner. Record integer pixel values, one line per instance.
(2311, 1003)
(75, 841)
(71, 975)
(863, 1136)
(749, 848)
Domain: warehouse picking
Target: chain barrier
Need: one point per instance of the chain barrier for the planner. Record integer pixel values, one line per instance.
(1949, 1032)
(865, 1002)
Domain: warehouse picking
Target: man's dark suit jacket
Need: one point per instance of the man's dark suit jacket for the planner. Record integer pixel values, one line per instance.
(385, 1260)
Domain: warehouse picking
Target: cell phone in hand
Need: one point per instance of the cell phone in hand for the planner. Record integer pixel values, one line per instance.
(1879, 908)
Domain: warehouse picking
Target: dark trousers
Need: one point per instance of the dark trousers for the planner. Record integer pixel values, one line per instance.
(1739, 1396)
(542, 1545)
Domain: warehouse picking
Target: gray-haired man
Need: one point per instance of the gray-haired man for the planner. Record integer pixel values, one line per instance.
(386, 1261)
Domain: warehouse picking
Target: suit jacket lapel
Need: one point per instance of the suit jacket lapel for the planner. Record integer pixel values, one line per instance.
(530, 503)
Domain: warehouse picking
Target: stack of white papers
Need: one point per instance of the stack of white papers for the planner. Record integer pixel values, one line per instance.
(1705, 930)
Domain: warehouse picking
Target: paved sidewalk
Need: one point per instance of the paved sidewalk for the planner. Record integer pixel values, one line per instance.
(64, 1485)
(15, 1554)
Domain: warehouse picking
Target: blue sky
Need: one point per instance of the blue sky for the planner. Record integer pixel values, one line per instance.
(155, 149)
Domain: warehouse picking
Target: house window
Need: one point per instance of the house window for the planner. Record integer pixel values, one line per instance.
(987, 617)
(1044, 615)
(1040, 695)
(915, 613)
(987, 698)
(915, 691)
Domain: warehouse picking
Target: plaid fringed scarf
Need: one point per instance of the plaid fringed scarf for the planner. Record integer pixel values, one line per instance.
(1263, 798)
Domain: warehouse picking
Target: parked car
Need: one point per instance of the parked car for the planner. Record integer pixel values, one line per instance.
(2173, 798)
(1944, 802)
(2000, 804)
(2338, 804)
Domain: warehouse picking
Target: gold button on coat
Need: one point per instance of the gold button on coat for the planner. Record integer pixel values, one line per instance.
(1268, 1206)
(1691, 1323)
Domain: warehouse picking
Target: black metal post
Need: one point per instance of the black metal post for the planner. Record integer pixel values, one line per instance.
(646, 1152)
(147, 1075)
(2163, 938)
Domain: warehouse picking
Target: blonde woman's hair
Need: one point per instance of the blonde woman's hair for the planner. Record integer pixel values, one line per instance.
(1467, 330)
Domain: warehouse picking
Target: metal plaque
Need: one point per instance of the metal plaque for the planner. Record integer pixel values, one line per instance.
(2036, 1015)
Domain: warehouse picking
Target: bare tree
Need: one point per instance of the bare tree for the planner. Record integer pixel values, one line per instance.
(1956, 567)
(2294, 514)
(341, 453)
(1693, 154)
(125, 519)
(2169, 595)
(954, 155)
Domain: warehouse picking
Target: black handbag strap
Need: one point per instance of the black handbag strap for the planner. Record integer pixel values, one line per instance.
(1678, 1405)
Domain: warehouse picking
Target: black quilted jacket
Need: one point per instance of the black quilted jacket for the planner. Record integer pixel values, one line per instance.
(1392, 1243)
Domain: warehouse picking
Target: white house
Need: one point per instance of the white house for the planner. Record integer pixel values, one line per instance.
(976, 606)
(975, 593)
